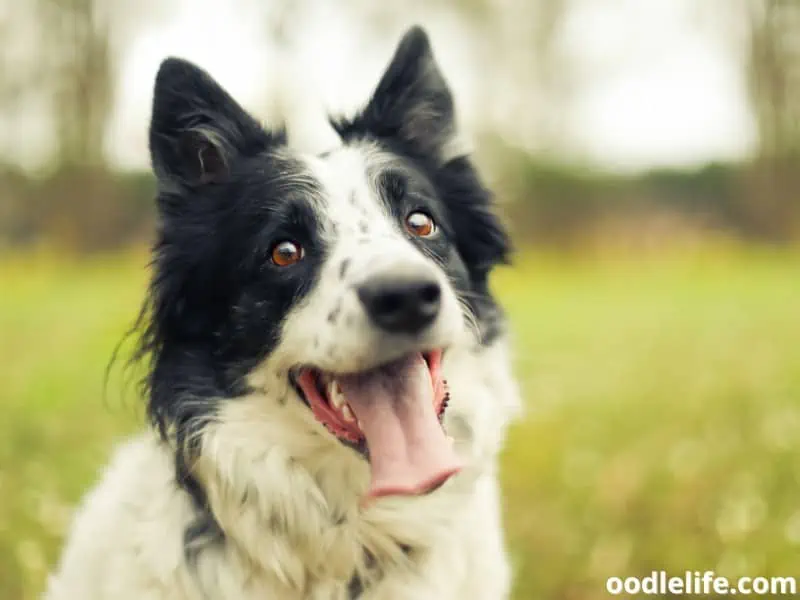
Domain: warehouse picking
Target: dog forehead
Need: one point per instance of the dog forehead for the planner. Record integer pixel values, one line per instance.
(348, 177)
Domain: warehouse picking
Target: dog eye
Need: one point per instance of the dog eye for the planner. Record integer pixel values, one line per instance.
(420, 224)
(287, 253)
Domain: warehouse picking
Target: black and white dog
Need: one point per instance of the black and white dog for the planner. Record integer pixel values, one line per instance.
(328, 380)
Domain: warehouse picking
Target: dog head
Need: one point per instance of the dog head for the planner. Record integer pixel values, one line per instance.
(334, 286)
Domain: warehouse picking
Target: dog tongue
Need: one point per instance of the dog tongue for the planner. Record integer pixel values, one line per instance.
(409, 452)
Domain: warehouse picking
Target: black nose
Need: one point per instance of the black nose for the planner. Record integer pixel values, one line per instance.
(401, 304)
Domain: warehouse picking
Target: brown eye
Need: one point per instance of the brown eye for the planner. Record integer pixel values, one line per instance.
(420, 224)
(286, 253)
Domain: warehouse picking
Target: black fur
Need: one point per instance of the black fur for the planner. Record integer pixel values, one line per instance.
(216, 300)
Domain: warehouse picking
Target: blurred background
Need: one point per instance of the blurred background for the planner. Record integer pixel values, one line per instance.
(646, 154)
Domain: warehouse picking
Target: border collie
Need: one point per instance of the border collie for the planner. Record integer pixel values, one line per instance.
(327, 376)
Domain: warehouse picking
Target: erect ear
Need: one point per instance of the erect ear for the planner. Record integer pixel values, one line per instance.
(413, 103)
(196, 127)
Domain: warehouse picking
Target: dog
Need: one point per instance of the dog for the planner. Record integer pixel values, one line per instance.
(328, 378)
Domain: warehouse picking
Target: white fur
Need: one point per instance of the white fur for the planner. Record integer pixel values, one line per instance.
(285, 492)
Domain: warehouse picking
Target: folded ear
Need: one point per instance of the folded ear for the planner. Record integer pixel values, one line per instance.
(412, 103)
(196, 127)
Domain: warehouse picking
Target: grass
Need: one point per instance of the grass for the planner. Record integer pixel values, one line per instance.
(662, 427)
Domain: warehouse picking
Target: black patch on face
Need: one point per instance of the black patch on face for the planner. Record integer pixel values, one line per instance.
(216, 299)
(394, 185)
(411, 115)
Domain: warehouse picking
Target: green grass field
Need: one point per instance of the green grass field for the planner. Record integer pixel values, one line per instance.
(662, 430)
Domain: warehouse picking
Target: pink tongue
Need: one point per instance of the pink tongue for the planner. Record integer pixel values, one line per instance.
(409, 453)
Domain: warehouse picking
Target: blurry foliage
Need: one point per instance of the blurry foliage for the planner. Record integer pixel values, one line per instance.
(664, 419)
(81, 209)
(554, 203)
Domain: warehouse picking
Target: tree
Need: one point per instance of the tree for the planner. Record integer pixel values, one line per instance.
(60, 70)
(772, 62)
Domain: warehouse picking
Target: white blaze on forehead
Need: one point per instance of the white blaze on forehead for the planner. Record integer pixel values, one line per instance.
(361, 228)
(350, 195)
(359, 224)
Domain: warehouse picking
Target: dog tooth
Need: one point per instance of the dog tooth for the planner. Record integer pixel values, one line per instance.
(336, 396)
(347, 414)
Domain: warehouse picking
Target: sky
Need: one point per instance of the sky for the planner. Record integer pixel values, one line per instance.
(655, 89)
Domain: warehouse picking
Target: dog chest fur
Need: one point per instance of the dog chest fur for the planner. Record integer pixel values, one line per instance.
(291, 533)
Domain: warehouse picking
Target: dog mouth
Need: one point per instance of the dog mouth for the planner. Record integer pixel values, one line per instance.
(393, 412)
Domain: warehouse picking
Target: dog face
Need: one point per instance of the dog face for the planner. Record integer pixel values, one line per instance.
(345, 277)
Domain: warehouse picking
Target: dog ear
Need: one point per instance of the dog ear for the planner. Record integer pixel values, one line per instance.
(196, 127)
(412, 102)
